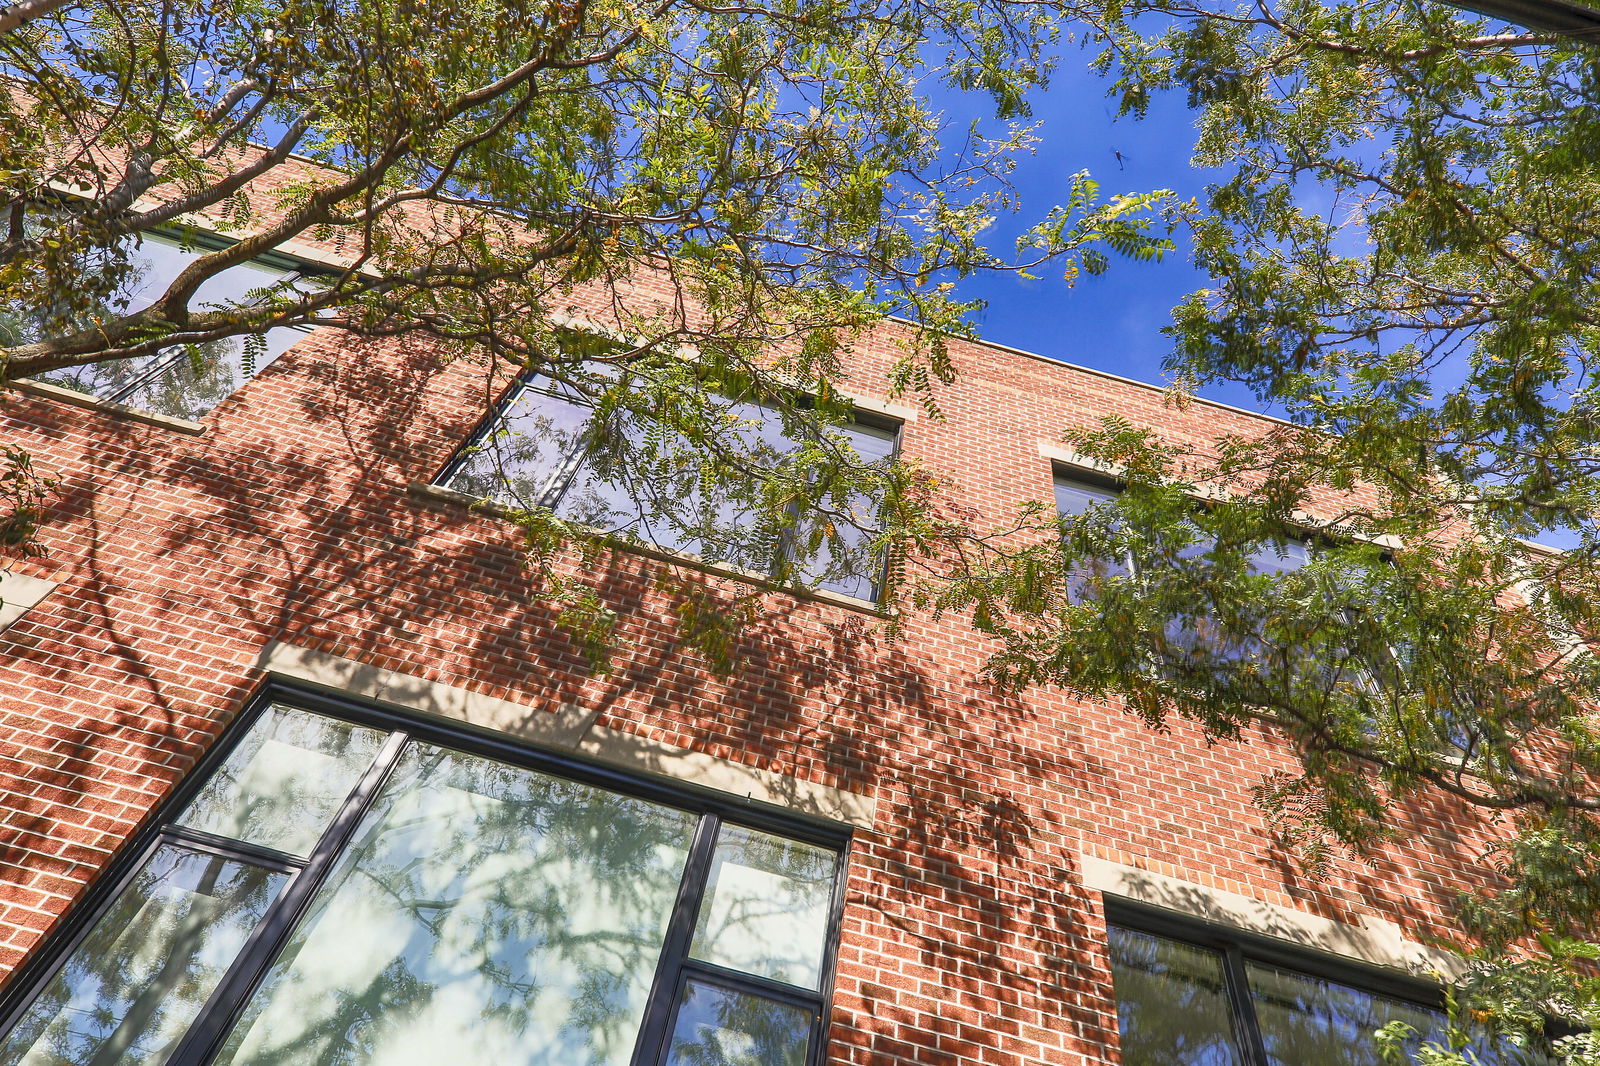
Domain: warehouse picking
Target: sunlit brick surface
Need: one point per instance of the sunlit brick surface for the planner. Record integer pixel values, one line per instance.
(968, 937)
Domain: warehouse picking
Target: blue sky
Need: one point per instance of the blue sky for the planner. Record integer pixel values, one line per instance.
(1112, 322)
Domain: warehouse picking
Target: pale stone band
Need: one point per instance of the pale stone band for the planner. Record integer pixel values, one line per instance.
(19, 595)
(1375, 941)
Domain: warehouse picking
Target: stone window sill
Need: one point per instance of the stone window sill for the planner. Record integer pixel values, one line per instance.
(94, 403)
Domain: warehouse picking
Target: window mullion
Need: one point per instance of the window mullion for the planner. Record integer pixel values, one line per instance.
(764, 987)
(1244, 1015)
(156, 369)
(254, 854)
(566, 472)
(235, 988)
(657, 1024)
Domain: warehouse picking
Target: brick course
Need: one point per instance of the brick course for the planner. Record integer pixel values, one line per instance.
(968, 937)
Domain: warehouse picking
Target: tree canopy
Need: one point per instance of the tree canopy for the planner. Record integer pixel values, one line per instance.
(1402, 245)
(746, 185)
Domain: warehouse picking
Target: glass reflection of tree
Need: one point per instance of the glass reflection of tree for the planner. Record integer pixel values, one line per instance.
(1307, 1021)
(482, 913)
(628, 472)
(114, 280)
(1172, 1004)
(767, 907)
(282, 783)
(201, 376)
(644, 479)
(181, 382)
(128, 992)
(515, 464)
(719, 1027)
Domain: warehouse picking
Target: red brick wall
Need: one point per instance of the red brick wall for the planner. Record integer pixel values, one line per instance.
(968, 937)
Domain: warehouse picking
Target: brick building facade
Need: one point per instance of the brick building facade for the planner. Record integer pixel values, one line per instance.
(290, 544)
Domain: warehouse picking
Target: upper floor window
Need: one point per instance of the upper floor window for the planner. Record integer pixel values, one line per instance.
(539, 448)
(1075, 495)
(183, 381)
(1215, 1000)
(373, 893)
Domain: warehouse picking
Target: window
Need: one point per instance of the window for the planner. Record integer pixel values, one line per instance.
(538, 450)
(1202, 998)
(1075, 496)
(369, 892)
(182, 382)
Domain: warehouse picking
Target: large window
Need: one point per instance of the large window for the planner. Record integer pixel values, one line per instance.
(1198, 997)
(369, 893)
(183, 382)
(538, 449)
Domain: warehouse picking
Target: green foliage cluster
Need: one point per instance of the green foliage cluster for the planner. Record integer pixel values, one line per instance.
(741, 188)
(1402, 242)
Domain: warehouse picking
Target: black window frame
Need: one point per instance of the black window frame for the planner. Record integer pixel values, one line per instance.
(165, 360)
(1235, 947)
(204, 1039)
(563, 472)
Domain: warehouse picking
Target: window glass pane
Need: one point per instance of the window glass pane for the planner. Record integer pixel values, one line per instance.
(105, 380)
(516, 462)
(719, 1027)
(545, 449)
(196, 382)
(282, 783)
(482, 913)
(859, 571)
(150, 265)
(128, 993)
(186, 387)
(1172, 1003)
(663, 500)
(766, 906)
(1201, 632)
(1074, 498)
(156, 261)
(1307, 1021)
(1279, 558)
(238, 285)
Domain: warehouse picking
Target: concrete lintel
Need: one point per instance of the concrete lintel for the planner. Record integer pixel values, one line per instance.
(898, 411)
(1376, 941)
(19, 595)
(1060, 453)
(570, 729)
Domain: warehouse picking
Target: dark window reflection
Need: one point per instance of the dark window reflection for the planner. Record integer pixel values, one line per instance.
(1174, 1008)
(1308, 1021)
(1172, 1003)
(720, 1027)
(1201, 632)
(547, 449)
(181, 382)
(128, 993)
